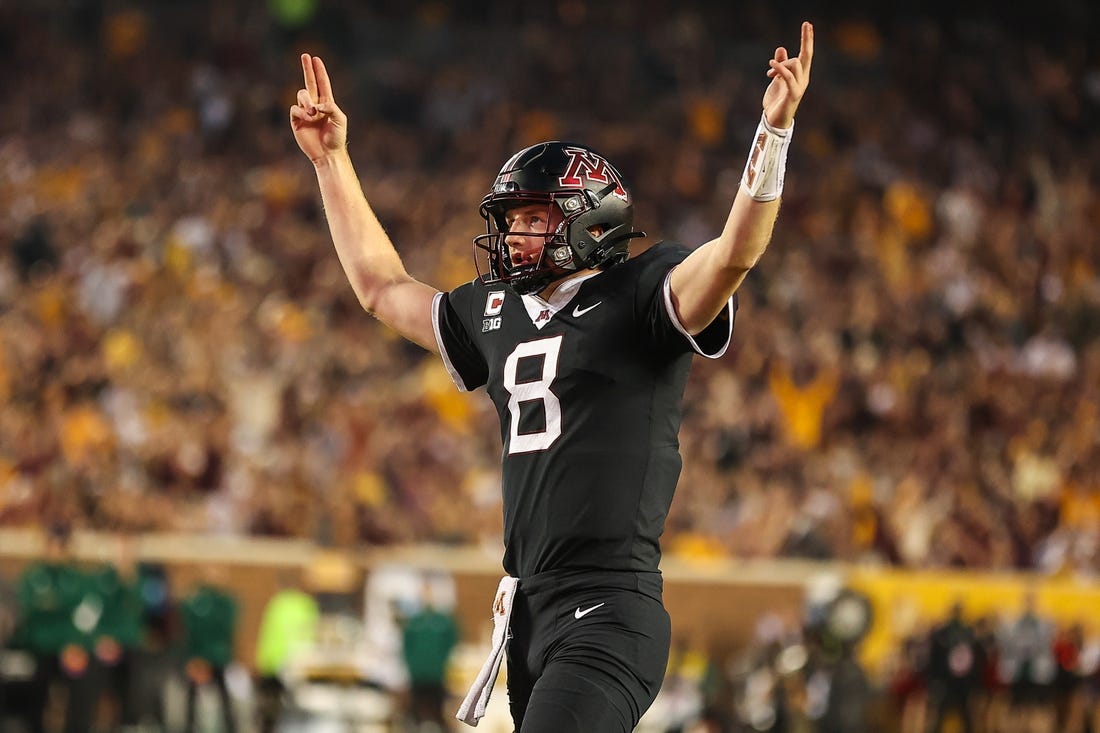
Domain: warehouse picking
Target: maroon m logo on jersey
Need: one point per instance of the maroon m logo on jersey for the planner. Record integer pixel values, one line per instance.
(586, 164)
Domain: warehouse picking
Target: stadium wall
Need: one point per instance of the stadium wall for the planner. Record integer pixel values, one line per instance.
(715, 603)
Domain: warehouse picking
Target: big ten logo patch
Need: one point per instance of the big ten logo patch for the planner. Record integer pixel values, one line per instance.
(490, 324)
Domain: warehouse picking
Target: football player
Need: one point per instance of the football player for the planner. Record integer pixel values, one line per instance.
(584, 351)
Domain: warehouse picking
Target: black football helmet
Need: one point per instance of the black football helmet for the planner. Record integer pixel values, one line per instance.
(596, 207)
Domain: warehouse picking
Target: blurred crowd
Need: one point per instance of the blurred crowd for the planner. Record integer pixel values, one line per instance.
(95, 645)
(915, 376)
(1013, 672)
(126, 645)
(116, 645)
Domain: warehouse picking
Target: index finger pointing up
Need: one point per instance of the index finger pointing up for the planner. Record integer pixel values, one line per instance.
(310, 77)
(806, 51)
(324, 86)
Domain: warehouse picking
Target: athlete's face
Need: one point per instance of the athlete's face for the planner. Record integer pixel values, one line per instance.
(524, 221)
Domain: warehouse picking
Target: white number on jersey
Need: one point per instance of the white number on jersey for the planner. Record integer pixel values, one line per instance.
(536, 391)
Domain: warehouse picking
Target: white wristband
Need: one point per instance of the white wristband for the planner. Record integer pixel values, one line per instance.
(767, 163)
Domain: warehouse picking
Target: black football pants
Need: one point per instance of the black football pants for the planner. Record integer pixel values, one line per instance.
(588, 651)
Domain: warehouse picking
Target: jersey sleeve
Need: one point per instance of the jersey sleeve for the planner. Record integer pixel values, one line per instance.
(452, 322)
(661, 322)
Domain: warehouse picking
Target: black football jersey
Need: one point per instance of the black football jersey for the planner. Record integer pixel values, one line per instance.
(588, 387)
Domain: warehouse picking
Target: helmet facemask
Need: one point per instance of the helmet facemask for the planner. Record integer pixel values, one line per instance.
(554, 259)
(594, 206)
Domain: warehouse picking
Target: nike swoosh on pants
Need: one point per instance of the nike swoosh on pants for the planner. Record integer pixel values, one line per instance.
(579, 614)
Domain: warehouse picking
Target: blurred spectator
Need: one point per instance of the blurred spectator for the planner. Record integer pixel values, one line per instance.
(990, 696)
(50, 593)
(428, 637)
(954, 672)
(9, 611)
(152, 662)
(802, 394)
(1026, 657)
(1070, 679)
(288, 625)
(120, 630)
(839, 693)
(209, 615)
(804, 674)
(907, 685)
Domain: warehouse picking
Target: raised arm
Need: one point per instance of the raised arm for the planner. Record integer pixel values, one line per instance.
(703, 282)
(369, 259)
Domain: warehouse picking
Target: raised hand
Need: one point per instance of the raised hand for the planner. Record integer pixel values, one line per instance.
(790, 77)
(320, 127)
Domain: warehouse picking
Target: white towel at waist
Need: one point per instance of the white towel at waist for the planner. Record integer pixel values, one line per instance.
(473, 706)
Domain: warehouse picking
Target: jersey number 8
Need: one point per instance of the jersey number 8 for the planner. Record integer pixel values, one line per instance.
(534, 391)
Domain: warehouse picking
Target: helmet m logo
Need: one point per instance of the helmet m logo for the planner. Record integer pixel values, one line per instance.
(586, 164)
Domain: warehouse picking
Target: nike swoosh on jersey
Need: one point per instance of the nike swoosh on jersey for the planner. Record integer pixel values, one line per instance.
(578, 311)
(579, 614)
